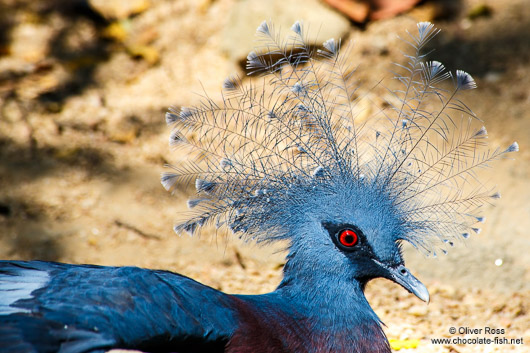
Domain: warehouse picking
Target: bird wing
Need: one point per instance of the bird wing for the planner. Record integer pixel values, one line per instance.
(51, 307)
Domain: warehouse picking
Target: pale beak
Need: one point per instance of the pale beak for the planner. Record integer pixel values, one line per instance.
(402, 276)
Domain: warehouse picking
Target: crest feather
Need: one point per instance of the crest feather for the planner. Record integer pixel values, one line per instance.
(285, 142)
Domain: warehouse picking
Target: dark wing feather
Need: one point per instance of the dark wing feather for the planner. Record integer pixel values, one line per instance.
(50, 307)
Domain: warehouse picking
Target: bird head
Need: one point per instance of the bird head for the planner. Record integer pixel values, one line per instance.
(343, 231)
(287, 157)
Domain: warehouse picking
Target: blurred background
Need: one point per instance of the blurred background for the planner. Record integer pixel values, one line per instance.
(84, 85)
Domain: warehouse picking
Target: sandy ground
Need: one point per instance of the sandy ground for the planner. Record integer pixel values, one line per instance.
(83, 142)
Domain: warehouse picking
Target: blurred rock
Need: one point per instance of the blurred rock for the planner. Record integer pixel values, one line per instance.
(362, 10)
(358, 11)
(30, 41)
(135, 40)
(247, 15)
(446, 291)
(146, 52)
(480, 10)
(419, 310)
(389, 8)
(124, 136)
(117, 31)
(40, 82)
(435, 10)
(428, 11)
(493, 77)
(118, 9)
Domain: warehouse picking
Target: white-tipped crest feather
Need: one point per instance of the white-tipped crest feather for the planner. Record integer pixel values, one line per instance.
(300, 135)
(514, 147)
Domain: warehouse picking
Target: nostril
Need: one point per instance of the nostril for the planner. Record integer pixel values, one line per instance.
(403, 271)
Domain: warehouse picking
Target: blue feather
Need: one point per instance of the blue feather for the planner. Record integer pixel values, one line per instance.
(288, 160)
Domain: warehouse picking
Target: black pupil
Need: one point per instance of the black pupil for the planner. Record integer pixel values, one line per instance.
(348, 239)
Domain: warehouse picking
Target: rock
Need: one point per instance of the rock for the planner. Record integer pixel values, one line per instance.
(480, 10)
(149, 53)
(118, 9)
(358, 11)
(389, 8)
(321, 23)
(418, 310)
(30, 42)
(427, 12)
(493, 77)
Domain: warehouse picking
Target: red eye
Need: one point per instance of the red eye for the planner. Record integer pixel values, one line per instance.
(348, 238)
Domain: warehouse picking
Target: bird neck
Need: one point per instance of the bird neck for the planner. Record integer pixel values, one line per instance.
(336, 307)
(331, 297)
(308, 312)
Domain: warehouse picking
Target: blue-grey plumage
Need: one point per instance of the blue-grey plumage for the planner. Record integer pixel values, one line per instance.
(271, 154)
(287, 157)
(286, 160)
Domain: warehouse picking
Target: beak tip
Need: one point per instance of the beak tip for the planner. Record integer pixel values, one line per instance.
(421, 292)
(426, 298)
